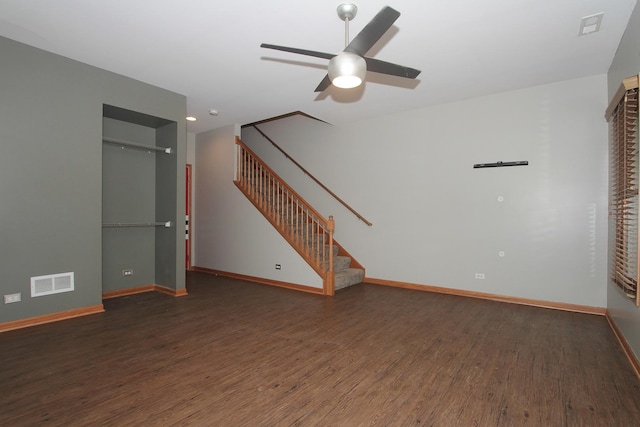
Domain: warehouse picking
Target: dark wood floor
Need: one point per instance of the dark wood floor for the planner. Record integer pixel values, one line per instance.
(233, 353)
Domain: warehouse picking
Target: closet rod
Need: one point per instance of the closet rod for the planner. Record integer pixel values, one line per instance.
(135, 145)
(166, 224)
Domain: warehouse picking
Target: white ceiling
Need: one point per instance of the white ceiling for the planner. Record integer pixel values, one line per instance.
(209, 50)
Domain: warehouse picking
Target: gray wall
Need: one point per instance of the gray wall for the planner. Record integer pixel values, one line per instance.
(168, 265)
(51, 172)
(128, 195)
(437, 220)
(625, 64)
(139, 186)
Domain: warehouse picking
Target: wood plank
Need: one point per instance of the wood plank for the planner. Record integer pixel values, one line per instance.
(235, 353)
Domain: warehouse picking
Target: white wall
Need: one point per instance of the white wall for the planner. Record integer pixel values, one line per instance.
(626, 63)
(437, 221)
(232, 235)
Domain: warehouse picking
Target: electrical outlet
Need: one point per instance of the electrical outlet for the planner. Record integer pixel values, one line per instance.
(480, 276)
(127, 272)
(278, 267)
(8, 299)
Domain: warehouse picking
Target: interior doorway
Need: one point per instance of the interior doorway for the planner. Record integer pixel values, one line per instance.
(187, 225)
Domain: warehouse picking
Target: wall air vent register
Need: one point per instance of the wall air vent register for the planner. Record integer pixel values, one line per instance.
(51, 284)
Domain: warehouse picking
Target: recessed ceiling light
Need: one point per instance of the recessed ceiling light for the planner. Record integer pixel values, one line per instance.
(213, 112)
(191, 119)
(590, 24)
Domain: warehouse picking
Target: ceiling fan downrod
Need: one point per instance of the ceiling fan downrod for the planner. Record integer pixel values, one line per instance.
(346, 12)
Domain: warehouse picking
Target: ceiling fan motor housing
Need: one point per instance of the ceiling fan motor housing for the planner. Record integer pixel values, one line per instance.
(347, 70)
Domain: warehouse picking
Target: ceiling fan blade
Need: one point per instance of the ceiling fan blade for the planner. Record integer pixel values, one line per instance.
(372, 32)
(325, 83)
(383, 67)
(299, 51)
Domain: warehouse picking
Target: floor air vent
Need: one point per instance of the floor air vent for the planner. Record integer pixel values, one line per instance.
(51, 284)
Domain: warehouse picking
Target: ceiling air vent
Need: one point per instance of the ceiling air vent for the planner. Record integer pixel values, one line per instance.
(51, 284)
(590, 24)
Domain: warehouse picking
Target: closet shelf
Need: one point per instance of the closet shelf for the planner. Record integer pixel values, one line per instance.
(166, 224)
(135, 145)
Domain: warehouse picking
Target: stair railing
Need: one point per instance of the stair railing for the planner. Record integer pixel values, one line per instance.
(306, 172)
(308, 232)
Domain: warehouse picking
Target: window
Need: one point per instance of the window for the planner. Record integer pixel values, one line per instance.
(622, 116)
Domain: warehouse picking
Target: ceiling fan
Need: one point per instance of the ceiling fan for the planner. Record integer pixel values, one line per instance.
(347, 69)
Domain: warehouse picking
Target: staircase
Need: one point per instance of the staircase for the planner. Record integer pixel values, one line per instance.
(308, 232)
(344, 273)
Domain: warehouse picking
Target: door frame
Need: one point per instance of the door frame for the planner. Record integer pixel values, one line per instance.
(188, 217)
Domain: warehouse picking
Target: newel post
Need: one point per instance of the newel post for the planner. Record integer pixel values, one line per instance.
(331, 226)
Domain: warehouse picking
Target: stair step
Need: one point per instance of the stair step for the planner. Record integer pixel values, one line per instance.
(326, 253)
(307, 227)
(348, 277)
(340, 263)
(326, 250)
(313, 240)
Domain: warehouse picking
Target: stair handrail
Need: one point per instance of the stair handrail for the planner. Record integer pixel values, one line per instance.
(322, 264)
(282, 181)
(306, 172)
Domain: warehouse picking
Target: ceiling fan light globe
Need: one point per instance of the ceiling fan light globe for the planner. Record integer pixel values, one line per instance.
(347, 82)
(347, 70)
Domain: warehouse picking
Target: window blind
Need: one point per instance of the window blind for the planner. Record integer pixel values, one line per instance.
(622, 116)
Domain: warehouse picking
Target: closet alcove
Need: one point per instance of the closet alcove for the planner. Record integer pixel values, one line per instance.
(139, 179)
